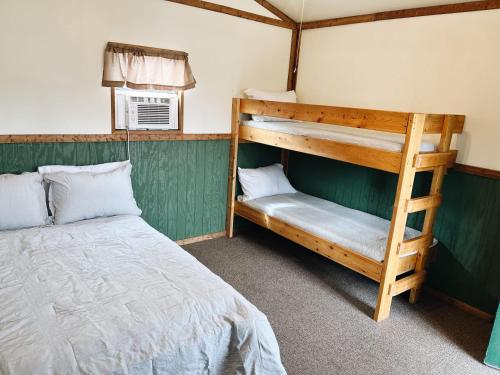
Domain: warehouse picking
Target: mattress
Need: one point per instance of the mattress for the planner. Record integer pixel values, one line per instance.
(114, 296)
(361, 137)
(359, 231)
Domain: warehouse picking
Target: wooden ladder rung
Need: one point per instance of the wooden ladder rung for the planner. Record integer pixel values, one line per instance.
(427, 161)
(423, 203)
(415, 244)
(407, 283)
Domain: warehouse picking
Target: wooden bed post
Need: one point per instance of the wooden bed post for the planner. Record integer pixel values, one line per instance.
(233, 165)
(387, 288)
(430, 215)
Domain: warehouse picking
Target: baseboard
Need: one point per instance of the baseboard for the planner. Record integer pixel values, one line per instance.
(459, 304)
(205, 237)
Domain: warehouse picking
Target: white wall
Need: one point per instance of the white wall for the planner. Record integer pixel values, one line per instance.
(51, 62)
(447, 63)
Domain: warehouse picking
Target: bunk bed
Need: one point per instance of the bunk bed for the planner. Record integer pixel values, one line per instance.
(384, 140)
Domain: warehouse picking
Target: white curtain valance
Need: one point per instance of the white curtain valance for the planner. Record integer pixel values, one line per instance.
(144, 68)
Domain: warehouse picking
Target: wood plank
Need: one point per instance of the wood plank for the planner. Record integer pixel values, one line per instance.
(394, 122)
(277, 12)
(434, 123)
(459, 304)
(478, 171)
(423, 203)
(293, 62)
(399, 215)
(407, 283)
(430, 160)
(405, 13)
(436, 186)
(233, 166)
(369, 157)
(415, 244)
(235, 12)
(348, 258)
(135, 136)
(205, 237)
(406, 264)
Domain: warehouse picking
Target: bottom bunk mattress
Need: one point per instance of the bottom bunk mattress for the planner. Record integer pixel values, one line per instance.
(114, 296)
(359, 231)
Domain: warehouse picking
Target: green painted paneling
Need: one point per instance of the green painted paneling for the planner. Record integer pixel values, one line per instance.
(467, 265)
(181, 186)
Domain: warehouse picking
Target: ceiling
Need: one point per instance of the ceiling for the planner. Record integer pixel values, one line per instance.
(322, 9)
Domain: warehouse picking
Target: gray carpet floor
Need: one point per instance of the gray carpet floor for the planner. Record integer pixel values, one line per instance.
(321, 313)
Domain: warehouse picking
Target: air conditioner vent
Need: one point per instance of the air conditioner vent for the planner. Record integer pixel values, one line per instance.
(153, 114)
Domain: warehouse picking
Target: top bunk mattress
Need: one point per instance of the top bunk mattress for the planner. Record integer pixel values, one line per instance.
(356, 230)
(344, 134)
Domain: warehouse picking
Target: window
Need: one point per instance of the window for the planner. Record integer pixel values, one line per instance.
(147, 87)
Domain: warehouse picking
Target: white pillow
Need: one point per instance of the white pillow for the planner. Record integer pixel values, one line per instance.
(94, 168)
(85, 195)
(263, 182)
(22, 201)
(285, 96)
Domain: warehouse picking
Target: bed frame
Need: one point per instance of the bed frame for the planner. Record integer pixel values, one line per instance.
(405, 163)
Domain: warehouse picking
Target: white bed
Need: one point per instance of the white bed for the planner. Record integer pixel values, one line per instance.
(361, 137)
(114, 296)
(356, 230)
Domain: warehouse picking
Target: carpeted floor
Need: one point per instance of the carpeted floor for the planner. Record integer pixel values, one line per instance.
(321, 313)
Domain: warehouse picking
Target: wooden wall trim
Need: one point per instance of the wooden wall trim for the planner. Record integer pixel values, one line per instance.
(293, 62)
(236, 12)
(459, 304)
(205, 237)
(278, 13)
(405, 13)
(478, 171)
(135, 136)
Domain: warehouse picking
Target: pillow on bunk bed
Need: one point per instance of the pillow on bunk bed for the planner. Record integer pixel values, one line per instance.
(87, 195)
(22, 201)
(285, 96)
(263, 182)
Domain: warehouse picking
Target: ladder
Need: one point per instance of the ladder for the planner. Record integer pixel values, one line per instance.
(413, 161)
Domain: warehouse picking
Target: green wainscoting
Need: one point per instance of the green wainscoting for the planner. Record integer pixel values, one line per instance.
(467, 265)
(181, 186)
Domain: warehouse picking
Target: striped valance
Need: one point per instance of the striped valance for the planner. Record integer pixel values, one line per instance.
(144, 68)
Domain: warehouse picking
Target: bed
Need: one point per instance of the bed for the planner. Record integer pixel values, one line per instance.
(390, 141)
(114, 296)
(361, 137)
(357, 230)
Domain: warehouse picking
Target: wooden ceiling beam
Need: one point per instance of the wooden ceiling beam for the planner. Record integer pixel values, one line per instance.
(472, 6)
(278, 13)
(236, 13)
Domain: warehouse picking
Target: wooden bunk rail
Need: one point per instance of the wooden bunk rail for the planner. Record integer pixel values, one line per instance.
(348, 258)
(361, 155)
(387, 121)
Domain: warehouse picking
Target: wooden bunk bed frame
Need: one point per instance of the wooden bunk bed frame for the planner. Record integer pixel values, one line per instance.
(405, 163)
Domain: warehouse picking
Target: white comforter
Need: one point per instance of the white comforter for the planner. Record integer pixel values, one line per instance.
(115, 296)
